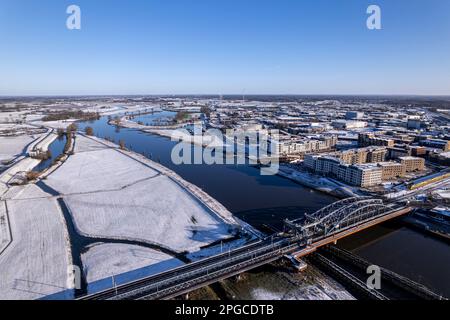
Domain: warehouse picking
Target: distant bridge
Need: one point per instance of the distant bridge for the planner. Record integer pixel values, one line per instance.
(300, 237)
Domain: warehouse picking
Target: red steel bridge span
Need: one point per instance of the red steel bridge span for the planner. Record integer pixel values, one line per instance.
(300, 237)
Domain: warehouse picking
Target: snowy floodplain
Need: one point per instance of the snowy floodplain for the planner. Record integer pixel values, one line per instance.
(12, 147)
(111, 194)
(35, 264)
(5, 235)
(103, 261)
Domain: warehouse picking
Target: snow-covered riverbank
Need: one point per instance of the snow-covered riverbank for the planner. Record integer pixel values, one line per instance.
(25, 163)
(318, 183)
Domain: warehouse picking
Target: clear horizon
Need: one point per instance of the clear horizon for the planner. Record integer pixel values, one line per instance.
(226, 95)
(213, 47)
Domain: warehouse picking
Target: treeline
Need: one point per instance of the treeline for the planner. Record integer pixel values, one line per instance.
(181, 116)
(69, 133)
(71, 114)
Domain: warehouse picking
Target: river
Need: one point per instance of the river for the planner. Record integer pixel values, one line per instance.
(267, 200)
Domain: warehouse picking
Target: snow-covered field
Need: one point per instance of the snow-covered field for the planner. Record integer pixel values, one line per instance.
(59, 124)
(17, 119)
(156, 210)
(111, 109)
(35, 263)
(5, 236)
(12, 147)
(100, 170)
(103, 261)
(12, 116)
(24, 164)
(112, 195)
(176, 133)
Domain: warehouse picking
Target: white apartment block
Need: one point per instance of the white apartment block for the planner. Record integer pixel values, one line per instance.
(362, 175)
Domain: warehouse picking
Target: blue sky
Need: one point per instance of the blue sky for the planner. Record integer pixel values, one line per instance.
(224, 46)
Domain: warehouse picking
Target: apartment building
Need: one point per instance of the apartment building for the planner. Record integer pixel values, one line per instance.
(354, 156)
(289, 147)
(326, 165)
(363, 155)
(296, 146)
(366, 175)
(391, 170)
(361, 175)
(444, 145)
(413, 163)
(370, 139)
(397, 153)
(375, 155)
(310, 161)
(417, 151)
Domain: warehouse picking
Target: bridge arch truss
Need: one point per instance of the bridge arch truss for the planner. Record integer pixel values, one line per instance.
(337, 216)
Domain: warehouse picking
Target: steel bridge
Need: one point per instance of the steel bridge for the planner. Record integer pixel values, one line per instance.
(337, 216)
(300, 237)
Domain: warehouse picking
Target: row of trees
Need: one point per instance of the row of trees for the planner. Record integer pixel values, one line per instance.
(70, 114)
(70, 131)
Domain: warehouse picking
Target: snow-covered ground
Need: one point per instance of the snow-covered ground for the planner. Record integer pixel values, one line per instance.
(24, 164)
(156, 210)
(97, 170)
(17, 129)
(112, 109)
(311, 284)
(320, 183)
(17, 119)
(12, 116)
(184, 136)
(35, 264)
(59, 124)
(309, 292)
(103, 261)
(176, 133)
(12, 147)
(14, 138)
(112, 195)
(5, 235)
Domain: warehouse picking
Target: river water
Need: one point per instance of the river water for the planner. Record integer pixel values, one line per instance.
(267, 200)
(56, 149)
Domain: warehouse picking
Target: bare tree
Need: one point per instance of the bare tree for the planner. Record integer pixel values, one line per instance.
(122, 144)
(89, 131)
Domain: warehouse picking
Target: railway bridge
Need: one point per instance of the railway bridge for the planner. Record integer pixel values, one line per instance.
(299, 238)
